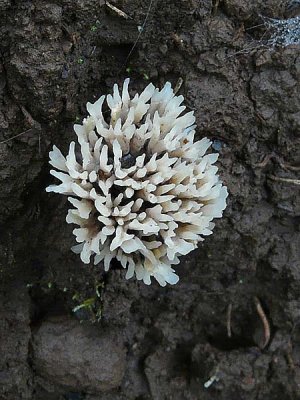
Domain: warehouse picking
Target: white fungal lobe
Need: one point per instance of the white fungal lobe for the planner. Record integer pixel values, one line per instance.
(143, 192)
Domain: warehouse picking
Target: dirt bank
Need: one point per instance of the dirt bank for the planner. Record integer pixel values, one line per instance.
(206, 337)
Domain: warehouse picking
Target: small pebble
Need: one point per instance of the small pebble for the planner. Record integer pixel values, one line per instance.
(217, 145)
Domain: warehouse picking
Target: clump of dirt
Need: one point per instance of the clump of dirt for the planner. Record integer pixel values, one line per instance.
(231, 327)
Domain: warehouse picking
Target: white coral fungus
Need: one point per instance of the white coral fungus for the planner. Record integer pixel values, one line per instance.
(143, 191)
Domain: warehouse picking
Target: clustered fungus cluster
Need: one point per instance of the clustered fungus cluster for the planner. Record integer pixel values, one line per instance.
(142, 190)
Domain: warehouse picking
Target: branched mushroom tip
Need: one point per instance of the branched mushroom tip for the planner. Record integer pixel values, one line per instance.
(143, 191)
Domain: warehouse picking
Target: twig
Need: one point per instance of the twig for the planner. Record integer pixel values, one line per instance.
(288, 166)
(264, 320)
(265, 161)
(215, 6)
(31, 121)
(290, 357)
(214, 378)
(178, 85)
(211, 380)
(228, 320)
(285, 180)
(254, 27)
(117, 10)
(274, 156)
(34, 125)
(13, 137)
(141, 30)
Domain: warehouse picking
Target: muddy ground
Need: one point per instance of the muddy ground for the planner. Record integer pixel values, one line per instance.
(131, 341)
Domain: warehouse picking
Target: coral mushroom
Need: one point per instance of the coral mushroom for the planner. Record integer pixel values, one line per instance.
(143, 191)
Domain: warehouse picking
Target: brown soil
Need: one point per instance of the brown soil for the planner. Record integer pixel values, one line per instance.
(138, 342)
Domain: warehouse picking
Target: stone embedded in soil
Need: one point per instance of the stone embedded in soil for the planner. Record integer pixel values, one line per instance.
(78, 357)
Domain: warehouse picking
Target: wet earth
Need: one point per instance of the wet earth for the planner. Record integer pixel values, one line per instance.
(230, 329)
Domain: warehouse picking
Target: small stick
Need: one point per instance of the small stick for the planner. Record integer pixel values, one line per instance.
(286, 180)
(214, 378)
(40, 152)
(32, 122)
(215, 6)
(288, 166)
(178, 85)
(13, 137)
(283, 165)
(117, 10)
(289, 356)
(228, 320)
(211, 380)
(141, 30)
(264, 320)
(265, 161)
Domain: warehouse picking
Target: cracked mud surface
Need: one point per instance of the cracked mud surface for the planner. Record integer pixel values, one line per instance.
(138, 342)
